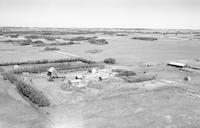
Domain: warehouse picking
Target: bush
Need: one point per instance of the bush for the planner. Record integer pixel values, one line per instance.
(121, 35)
(45, 61)
(68, 43)
(145, 38)
(94, 51)
(14, 36)
(123, 72)
(98, 41)
(38, 43)
(60, 66)
(32, 37)
(51, 49)
(26, 42)
(27, 90)
(109, 61)
(140, 78)
(81, 38)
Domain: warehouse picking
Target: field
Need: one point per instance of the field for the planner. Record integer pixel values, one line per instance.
(155, 96)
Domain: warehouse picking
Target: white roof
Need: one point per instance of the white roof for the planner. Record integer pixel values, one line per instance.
(75, 81)
(178, 64)
(51, 69)
(79, 75)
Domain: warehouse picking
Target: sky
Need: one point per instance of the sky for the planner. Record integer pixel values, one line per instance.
(169, 14)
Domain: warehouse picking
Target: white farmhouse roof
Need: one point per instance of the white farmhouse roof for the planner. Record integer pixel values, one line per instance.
(51, 69)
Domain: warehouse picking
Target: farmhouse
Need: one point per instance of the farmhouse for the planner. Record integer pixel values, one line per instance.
(52, 72)
(175, 64)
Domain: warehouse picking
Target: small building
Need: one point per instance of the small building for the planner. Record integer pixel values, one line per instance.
(79, 76)
(16, 67)
(102, 78)
(187, 78)
(52, 72)
(76, 83)
(93, 70)
(175, 64)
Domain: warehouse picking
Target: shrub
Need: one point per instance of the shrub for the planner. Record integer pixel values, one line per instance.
(51, 49)
(32, 37)
(60, 66)
(123, 72)
(94, 51)
(121, 35)
(50, 38)
(14, 36)
(145, 38)
(140, 78)
(26, 42)
(109, 61)
(45, 61)
(98, 41)
(127, 73)
(81, 38)
(38, 43)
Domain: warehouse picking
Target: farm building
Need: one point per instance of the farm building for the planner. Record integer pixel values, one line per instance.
(102, 78)
(79, 76)
(187, 78)
(175, 64)
(76, 83)
(52, 72)
(93, 70)
(16, 67)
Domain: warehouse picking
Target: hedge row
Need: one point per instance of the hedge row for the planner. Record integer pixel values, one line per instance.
(51, 49)
(98, 41)
(61, 66)
(139, 78)
(123, 72)
(28, 91)
(109, 61)
(45, 61)
(145, 38)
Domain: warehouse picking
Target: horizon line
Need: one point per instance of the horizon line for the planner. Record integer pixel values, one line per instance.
(131, 28)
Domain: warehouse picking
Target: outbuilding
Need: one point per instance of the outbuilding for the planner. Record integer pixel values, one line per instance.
(175, 64)
(102, 78)
(76, 83)
(79, 76)
(16, 67)
(93, 70)
(187, 78)
(52, 72)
